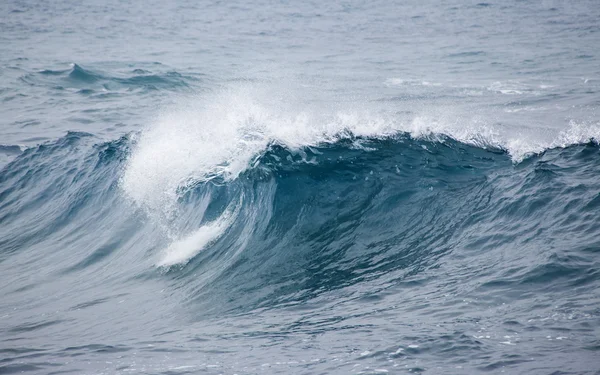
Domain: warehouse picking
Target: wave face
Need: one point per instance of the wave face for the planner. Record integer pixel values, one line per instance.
(380, 251)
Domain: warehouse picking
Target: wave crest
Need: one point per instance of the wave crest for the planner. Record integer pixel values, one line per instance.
(223, 134)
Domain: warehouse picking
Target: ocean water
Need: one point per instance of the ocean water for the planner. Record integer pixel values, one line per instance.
(285, 187)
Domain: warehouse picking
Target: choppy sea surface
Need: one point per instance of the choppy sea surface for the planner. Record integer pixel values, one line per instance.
(286, 187)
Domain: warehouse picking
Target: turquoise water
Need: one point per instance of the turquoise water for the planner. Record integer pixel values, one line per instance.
(299, 188)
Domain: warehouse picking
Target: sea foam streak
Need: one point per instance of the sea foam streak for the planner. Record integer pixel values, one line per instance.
(182, 250)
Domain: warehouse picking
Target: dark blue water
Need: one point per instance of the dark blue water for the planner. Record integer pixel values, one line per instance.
(299, 188)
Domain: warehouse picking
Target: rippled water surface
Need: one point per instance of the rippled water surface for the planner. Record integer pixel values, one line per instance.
(299, 187)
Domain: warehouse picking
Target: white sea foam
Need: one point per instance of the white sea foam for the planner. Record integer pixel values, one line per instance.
(184, 249)
(220, 135)
(410, 82)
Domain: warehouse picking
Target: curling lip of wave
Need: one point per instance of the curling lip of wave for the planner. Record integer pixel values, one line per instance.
(224, 133)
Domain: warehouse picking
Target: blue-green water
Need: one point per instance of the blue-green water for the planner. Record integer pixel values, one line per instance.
(299, 188)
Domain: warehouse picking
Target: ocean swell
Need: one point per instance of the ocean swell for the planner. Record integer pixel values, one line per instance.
(277, 207)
